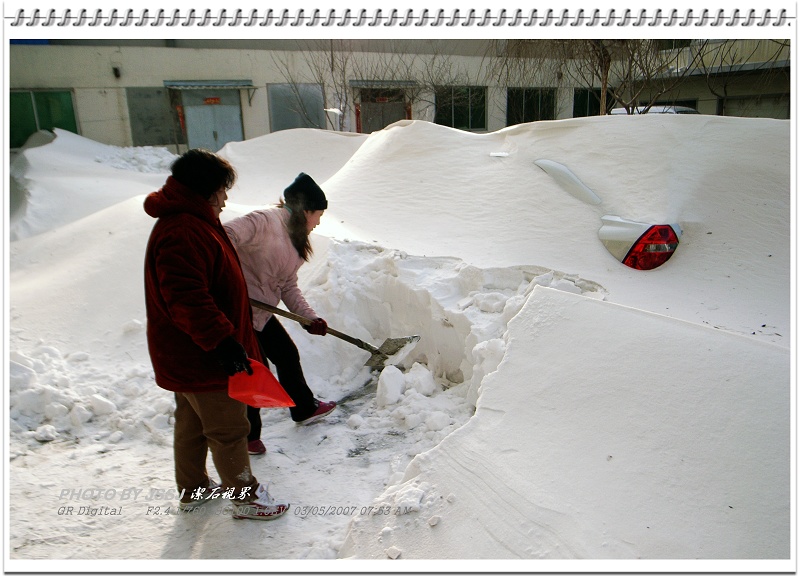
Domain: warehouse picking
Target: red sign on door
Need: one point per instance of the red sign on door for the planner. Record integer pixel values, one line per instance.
(214, 100)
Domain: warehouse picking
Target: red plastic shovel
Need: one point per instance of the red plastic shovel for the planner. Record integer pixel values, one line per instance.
(259, 390)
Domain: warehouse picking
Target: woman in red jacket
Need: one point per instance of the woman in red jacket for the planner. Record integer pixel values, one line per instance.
(199, 332)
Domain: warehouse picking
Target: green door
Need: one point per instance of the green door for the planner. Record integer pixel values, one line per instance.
(22, 118)
(32, 111)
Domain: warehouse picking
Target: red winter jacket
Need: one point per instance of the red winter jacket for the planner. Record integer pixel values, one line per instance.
(195, 292)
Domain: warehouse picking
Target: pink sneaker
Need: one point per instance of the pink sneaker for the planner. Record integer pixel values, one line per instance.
(256, 447)
(323, 409)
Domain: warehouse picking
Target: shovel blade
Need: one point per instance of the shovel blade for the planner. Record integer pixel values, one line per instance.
(392, 351)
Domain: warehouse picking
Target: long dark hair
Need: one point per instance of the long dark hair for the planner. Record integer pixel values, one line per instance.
(298, 233)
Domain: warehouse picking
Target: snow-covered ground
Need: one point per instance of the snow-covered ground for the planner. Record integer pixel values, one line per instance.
(558, 409)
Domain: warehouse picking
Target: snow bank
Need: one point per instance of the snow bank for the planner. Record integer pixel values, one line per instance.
(726, 181)
(658, 439)
(80, 377)
(72, 177)
(268, 164)
(572, 449)
(86, 358)
(60, 177)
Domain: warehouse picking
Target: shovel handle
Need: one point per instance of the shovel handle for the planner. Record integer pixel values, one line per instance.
(306, 322)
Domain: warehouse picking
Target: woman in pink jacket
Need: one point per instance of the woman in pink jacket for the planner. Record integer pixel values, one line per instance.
(272, 244)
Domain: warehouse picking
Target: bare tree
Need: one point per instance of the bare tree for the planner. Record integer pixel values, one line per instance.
(348, 70)
(512, 64)
(325, 63)
(623, 71)
(724, 63)
(331, 67)
(629, 70)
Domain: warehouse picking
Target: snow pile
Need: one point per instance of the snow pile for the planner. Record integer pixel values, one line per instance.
(77, 394)
(535, 418)
(268, 164)
(590, 463)
(59, 183)
(440, 192)
(66, 396)
(149, 159)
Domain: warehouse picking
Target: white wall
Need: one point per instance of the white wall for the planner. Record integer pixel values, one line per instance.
(102, 111)
(102, 115)
(101, 106)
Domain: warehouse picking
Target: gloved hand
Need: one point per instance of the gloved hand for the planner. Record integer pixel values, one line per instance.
(232, 356)
(317, 327)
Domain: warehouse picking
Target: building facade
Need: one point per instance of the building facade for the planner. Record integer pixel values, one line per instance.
(194, 93)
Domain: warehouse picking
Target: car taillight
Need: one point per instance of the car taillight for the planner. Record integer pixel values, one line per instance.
(653, 248)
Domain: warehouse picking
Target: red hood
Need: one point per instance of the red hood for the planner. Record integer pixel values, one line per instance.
(175, 198)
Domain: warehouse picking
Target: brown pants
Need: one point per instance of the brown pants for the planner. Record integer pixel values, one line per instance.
(212, 421)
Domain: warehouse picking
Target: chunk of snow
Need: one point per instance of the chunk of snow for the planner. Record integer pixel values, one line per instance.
(437, 421)
(391, 385)
(355, 421)
(420, 379)
(102, 406)
(45, 433)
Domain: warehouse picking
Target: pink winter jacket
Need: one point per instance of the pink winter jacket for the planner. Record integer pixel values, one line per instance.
(269, 261)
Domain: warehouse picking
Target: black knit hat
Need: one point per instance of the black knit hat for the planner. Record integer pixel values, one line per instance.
(304, 191)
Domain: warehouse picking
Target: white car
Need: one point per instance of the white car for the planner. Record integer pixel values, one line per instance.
(655, 110)
(639, 245)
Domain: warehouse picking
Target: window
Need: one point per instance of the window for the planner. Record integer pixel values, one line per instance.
(152, 121)
(530, 105)
(586, 103)
(757, 106)
(296, 106)
(462, 107)
(672, 44)
(39, 110)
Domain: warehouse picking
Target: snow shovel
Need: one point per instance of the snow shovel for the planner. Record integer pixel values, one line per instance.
(380, 356)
